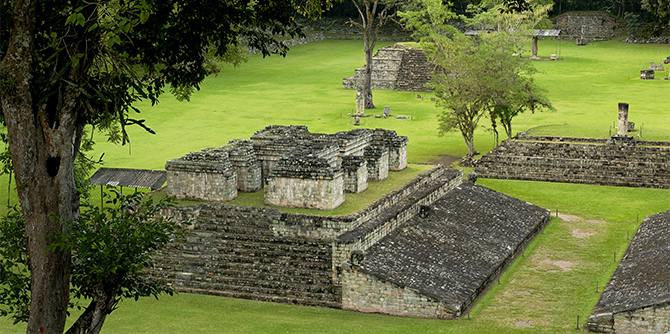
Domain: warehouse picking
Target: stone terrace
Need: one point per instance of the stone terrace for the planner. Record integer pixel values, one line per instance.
(396, 67)
(440, 261)
(637, 299)
(614, 162)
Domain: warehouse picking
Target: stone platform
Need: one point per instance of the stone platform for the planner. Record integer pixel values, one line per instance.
(265, 254)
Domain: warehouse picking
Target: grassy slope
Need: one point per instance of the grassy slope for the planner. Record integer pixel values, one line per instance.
(305, 88)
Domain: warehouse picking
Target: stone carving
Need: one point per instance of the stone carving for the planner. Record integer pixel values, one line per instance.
(622, 117)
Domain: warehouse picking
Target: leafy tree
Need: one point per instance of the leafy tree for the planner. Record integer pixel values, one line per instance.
(110, 247)
(660, 11)
(70, 64)
(478, 77)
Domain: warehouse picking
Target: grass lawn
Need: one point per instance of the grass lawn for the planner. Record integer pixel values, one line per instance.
(543, 291)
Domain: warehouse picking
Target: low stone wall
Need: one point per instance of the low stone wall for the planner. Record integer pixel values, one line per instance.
(613, 162)
(364, 290)
(654, 319)
(593, 25)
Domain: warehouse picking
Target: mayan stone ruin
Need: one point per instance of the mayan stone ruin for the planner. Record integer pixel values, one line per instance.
(621, 160)
(296, 168)
(377, 259)
(396, 67)
(637, 298)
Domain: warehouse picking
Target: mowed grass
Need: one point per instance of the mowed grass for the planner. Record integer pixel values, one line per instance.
(543, 291)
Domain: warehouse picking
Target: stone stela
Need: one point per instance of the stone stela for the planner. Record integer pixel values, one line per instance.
(295, 168)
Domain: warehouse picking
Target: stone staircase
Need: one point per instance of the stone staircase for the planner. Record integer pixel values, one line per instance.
(413, 72)
(236, 254)
(591, 163)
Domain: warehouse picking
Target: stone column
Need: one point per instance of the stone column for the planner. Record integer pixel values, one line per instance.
(623, 119)
(360, 100)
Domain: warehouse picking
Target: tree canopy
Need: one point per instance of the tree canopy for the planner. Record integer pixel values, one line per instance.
(71, 64)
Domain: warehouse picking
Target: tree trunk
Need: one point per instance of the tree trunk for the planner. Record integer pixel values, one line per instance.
(42, 150)
(103, 303)
(367, 78)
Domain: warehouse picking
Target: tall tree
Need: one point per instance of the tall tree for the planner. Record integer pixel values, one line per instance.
(69, 64)
(477, 76)
(660, 11)
(372, 16)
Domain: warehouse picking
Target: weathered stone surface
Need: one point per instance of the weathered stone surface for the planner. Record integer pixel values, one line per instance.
(594, 26)
(619, 161)
(378, 162)
(205, 175)
(448, 257)
(355, 174)
(397, 67)
(637, 298)
(305, 182)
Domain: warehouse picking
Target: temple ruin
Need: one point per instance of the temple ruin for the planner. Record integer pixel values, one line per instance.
(296, 168)
(429, 248)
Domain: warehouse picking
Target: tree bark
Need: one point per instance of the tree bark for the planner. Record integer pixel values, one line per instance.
(42, 152)
(103, 303)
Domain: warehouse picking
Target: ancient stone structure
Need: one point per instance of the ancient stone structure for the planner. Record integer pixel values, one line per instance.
(619, 161)
(442, 259)
(427, 249)
(205, 175)
(622, 118)
(592, 26)
(396, 67)
(298, 168)
(637, 298)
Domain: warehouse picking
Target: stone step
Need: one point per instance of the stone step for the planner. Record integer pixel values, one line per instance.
(329, 294)
(196, 257)
(270, 274)
(265, 297)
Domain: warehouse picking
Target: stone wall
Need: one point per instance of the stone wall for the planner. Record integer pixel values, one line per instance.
(206, 175)
(305, 182)
(233, 251)
(614, 162)
(362, 293)
(654, 319)
(594, 25)
(355, 174)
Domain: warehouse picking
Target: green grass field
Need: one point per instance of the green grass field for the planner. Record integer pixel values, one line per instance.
(543, 291)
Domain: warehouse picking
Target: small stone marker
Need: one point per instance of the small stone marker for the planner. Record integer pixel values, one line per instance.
(432, 99)
(658, 67)
(631, 126)
(360, 101)
(553, 57)
(647, 74)
(472, 177)
(387, 111)
(402, 117)
(357, 120)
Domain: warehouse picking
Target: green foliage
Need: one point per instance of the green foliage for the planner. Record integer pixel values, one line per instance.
(660, 12)
(479, 76)
(14, 272)
(111, 246)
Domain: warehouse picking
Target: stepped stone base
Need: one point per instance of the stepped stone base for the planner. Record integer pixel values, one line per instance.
(619, 161)
(264, 254)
